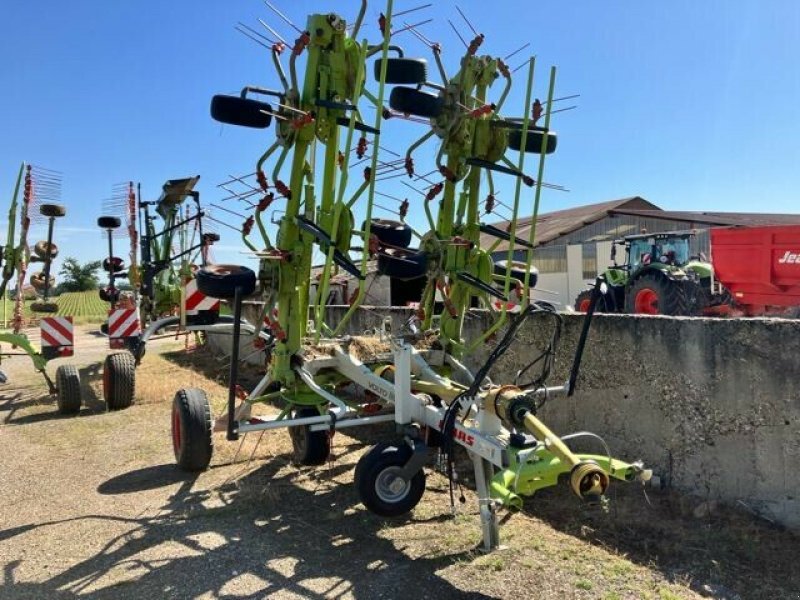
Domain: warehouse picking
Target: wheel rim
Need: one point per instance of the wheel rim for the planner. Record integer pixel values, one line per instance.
(583, 306)
(390, 487)
(176, 431)
(646, 302)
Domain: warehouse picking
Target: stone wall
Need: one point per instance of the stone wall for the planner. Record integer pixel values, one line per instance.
(712, 405)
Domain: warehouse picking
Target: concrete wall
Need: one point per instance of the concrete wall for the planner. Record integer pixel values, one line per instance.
(712, 405)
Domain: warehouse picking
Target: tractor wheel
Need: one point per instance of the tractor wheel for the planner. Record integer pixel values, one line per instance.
(52, 210)
(68, 384)
(119, 380)
(45, 251)
(654, 294)
(403, 70)
(415, 102)
(379, 486)
(109, 222)
(310, 447)
(533, 143)
(391, 233)
(235, 110)
(583, 300)
(403, 266)
(192, 426)
(221, 281)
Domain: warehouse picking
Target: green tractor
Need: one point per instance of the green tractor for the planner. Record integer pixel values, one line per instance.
(659, 277)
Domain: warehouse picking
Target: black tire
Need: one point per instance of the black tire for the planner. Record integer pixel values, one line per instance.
(518, 270)
(68, 385)
(109, 222)
(221, 281)
(115, 263)
(391, 233)
(310, 447)
(192, 427)
(44, 307)
(235, 110)
(109, 294)
(415, 102)
(403, 266)
(119, 380)
(670, 296)
(210, 238)
(403, 70)
(533, 143)
(374, 474)
(44, 250)
(52, 210)
(38, 282)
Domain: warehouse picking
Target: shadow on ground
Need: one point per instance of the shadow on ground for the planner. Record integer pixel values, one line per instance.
(265, 534)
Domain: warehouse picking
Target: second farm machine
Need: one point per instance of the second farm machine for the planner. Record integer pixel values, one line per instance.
(414, 375)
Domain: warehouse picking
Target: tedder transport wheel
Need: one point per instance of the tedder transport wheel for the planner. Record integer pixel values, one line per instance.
(654, 294)
(415, 102)
(119, 380)
(68, 384)
(245, 112)
(389, 232)
(403, 266)
(310, 447)
(533, 143)
(52, 210)
(380, 488)
(109, 222)
(191, 429)
(403, 70)
(221, 281)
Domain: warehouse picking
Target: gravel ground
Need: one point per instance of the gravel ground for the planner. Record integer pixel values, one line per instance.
(92, 506)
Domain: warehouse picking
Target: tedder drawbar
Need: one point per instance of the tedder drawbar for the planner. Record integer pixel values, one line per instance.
(165, 253)
(57, 340)
(414, 375)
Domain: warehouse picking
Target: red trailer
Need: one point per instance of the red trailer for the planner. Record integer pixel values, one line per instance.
(759, 266)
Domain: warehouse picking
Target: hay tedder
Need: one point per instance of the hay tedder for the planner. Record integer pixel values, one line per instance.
(38, 186)
(165, 252)
(413, 375)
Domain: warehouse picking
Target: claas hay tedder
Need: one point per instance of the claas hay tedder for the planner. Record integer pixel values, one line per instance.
(415, 374)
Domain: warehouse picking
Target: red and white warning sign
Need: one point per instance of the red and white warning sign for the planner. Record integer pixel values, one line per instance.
(122, 323)
(57, 338)
(197, 300)
(511, 307)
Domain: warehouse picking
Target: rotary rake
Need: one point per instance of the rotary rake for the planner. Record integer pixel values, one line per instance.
(413, 376)
(40, 189)
(164, 300)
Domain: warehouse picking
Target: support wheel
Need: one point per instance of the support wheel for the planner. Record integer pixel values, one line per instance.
(119, 380)
(378, 483)
(310, 447)
(68, 384)
(191, 429)
(221, 281)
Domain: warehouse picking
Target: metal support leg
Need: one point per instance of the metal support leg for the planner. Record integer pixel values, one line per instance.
(487, 506)
(233, 434)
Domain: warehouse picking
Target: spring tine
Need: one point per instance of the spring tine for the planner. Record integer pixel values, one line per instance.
(228, 210)
(232, 180)
(408, 185)
(283, 16)
(517, 51)
(409, 10)
(257, 33)
(256, 40)
(458, 34)
(273, 32)
(411, 26)
(463, 16)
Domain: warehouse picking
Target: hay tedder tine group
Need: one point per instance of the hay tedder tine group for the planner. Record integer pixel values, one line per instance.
(414, 375)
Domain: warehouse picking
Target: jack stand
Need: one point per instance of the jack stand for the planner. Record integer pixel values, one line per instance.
(488, 508)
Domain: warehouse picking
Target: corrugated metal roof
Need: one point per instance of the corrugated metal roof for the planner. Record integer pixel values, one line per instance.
(552, 225)
(713, 218)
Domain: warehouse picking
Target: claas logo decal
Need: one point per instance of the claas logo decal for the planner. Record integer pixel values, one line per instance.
(460, 435)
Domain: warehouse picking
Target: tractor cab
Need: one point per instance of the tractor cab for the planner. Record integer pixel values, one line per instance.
(669, 249)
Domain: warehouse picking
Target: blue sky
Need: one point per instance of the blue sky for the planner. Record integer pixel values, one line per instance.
(692, 105)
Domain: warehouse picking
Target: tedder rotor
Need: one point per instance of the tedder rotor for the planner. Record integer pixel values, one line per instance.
(413, 376)
(57, 341)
